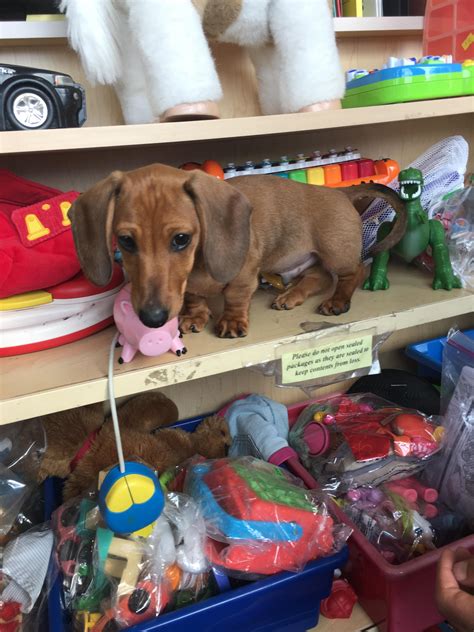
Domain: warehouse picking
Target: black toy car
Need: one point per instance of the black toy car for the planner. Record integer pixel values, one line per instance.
(31, 98)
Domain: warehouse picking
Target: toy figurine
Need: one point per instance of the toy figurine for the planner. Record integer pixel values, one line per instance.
(156, 55)
(420, 233)
(135, 336)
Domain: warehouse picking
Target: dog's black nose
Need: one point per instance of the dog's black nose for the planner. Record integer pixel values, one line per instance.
(153, 317)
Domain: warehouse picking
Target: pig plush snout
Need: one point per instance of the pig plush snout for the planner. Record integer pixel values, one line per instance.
(155, 343)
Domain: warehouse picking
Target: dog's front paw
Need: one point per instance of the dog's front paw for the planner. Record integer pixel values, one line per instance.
(193, 324)
(232, 327)
(334, 307)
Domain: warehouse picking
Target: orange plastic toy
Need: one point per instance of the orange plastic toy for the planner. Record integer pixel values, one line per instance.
(211, 167)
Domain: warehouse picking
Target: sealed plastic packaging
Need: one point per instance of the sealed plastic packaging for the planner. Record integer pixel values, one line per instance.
(259, 519)
(458, 352)
(21, 448)
(452, 471)
(26, 561)
(456, 212)
(122, 581)
(387, 521)
(361, 439)
(406, 517)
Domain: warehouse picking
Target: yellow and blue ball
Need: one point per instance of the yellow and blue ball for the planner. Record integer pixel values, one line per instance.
(132, 500)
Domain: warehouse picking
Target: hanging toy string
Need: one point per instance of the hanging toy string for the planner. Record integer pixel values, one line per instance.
(113, 407)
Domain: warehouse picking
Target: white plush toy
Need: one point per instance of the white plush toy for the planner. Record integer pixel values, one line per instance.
(156, 54)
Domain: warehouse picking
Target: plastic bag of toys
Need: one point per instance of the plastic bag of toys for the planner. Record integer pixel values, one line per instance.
(122, 581)
(458, 352)
(403, 518)
(452, 471)
(25, 577)
(259, 519)
(456, 212)
(362, 439)
(389, 521)
(21, 448)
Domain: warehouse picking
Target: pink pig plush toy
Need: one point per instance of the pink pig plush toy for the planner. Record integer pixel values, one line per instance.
(135, 336)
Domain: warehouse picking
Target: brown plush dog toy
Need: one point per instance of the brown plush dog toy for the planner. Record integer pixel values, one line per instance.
(81, 444)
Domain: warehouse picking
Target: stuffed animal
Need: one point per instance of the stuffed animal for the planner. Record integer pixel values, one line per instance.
(81, 444)
(155, 53)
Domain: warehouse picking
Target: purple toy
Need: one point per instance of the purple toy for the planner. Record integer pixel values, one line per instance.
(135, 336)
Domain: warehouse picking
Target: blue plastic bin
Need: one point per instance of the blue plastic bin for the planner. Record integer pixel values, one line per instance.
(285, 602)
(429, 355)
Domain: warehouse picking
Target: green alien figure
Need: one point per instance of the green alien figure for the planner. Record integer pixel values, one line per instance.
(420, 233)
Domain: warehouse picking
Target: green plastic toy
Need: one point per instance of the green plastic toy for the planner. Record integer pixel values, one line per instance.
(424, 80)
(420, 233)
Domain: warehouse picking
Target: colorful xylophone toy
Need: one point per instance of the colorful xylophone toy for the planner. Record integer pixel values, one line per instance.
(334, 169)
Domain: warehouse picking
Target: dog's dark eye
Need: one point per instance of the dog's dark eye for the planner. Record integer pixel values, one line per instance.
(180, 241)
(127, 243)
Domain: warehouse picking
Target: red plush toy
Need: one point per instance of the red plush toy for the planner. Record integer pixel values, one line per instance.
(36, 245)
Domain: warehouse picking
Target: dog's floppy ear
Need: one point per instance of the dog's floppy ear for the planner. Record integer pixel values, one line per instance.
(91, 218)
(224, 215)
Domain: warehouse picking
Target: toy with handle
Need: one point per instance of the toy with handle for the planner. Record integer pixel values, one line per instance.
(135, 336)
(130, 497)
(263, 425)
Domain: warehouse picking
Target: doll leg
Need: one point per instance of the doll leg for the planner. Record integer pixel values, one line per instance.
(181, 77)
(311, 77)
(250, 29)
(267, 68)
(132, 89)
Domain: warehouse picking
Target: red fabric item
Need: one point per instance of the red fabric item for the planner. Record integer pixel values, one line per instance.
(33, 264)
(84, 449)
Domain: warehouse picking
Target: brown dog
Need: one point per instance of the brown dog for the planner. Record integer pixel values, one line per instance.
(185, 236)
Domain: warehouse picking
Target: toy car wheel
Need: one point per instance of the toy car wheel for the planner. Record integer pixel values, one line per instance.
(29, 108)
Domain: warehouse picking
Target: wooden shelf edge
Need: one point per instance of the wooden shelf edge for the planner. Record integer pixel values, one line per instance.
(227, 355)
(70, 139)
(378, 26)
(36, 32)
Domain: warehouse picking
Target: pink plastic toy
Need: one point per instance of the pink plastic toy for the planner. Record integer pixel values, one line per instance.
(135, 336)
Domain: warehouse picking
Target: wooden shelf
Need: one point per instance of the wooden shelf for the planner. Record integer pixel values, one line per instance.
(20, 142)
(75, 374)
(38, 32)
(358, 621)
(378, 27)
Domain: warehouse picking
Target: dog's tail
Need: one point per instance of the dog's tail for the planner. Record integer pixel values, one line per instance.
(93, 32)
(373, 191)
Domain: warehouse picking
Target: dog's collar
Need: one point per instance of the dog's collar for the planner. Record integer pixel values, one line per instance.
(83, 450)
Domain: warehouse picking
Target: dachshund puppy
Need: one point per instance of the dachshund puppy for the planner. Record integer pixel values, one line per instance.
(185, 236)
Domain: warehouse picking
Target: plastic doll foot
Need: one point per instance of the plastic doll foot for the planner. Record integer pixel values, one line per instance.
(191, 112)
(335, 104)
